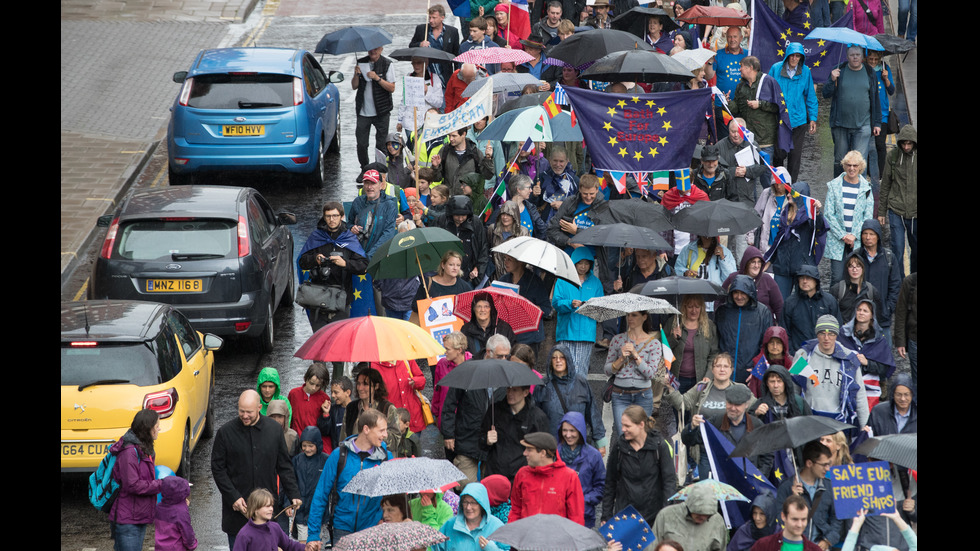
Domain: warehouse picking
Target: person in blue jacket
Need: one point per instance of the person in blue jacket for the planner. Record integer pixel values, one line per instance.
(795, 80)
(372, 215)
(742, 322)
(575, 331)
(308, 465)
(566, 391)
(764, 522)
(471, 528)
(365, 450)
(886, 87)
(584, 459)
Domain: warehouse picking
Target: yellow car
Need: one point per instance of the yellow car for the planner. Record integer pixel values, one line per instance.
(118, 357)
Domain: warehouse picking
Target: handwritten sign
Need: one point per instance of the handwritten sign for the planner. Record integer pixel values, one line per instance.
(862, 486)
(436, 316)
(475, 108)
(414, 92)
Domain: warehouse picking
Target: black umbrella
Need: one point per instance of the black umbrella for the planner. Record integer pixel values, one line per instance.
(352, 39)
(431, 54)
(900, 449)
(714, 218)
(894, 44)
(483, 374)
(635, 21)
(527, 100)
(632, 211)
(637, 66)
(787, 433)
(621, 235)
(675, 286)
(586, 47)
(546, 532)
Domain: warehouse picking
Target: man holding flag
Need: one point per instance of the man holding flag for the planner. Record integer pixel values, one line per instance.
(759, 100)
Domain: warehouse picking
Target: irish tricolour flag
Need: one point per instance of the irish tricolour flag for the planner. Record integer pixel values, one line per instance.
(802, 369)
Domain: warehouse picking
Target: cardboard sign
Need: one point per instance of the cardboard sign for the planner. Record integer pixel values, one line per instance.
(414, 92)
(435, 315)
(862, 486)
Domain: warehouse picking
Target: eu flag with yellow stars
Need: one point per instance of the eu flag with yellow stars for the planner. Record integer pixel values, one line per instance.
(629, 528)
(640, 132)
(770, 34)
(362, 296)
(738, 472)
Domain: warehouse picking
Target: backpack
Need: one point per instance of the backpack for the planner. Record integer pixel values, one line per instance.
(102, 488)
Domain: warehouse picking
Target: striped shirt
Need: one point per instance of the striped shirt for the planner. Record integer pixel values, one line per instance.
(849, 195)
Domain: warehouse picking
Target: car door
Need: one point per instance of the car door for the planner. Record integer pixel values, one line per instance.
(195, 377)
(267, 247)
(322, 101)
(284, 238)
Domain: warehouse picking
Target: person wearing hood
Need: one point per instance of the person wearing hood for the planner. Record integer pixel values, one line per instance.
(471, 528)
(742, 322)
(308, 465)
(884, 271)
(399, 173)
(575, 331)
(458, 158)
(279, 411)
(898, 197)
(431, 510)
(364, 450)
(780, 398)
(584, 459)
(886, 86)
(855, 287)
(506, 226)
(373, 215)
(906, 335)
(565, 391)
(172, 518)
(332, 254)
(134, 507)
(796, 82)
(799, 240)
(504, 428)
(807, 304)
(764, 522)
(484, 322)
(269, 389)
(795, 516)
(767, 292)
(498, 490)
(460, 221)
(472, 185)
(844, 218)
(863, 335)
(695, 521)
(899, 413)
(839, 392)
(776, 350)
(545, 485)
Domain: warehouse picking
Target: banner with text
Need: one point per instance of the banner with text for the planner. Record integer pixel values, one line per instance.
(478, 106)
(862, 486)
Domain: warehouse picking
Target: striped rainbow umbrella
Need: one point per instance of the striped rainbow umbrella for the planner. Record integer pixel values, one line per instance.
(369, 339)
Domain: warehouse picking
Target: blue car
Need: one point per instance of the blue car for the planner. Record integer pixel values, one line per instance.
(268, 109)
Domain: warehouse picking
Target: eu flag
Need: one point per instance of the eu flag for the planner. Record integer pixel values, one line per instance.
(738, 472)
(640, 132)
(770, 34)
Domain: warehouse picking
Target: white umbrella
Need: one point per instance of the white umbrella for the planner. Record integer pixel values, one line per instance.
(541, 254)
(618, 305)
(694, 59)
(404, 476)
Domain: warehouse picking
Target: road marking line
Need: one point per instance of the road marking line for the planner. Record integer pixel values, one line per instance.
(81, 292)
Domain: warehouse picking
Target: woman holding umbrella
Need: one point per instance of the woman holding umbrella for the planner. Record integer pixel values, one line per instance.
(693, 339)
(565, 391)
(483, 323)
(533, 289)
(635, 358)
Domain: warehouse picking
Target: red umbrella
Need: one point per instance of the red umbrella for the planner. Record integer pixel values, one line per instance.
(520, 313)
(715, 15)
(493, 55)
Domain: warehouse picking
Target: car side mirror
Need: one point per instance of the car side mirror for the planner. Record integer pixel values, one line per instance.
(213, 342)
(179, 76)
(335, 77)
(286, 218)
(104, 221)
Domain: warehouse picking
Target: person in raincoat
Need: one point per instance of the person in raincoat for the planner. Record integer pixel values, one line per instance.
(780, 397)
(764, 522)
(742, 322)
(796, 82)
(308, 464)
(172, 519)
(776, 350)
(576, 331)
(584, 459)
(470, 530)
(800, 239)
(807, 303)
(696, 521)
(864, 335)
(566, 391)
(269, 389)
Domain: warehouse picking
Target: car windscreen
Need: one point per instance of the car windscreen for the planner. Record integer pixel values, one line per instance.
(241, 91)
(122, 363)
(177, 239)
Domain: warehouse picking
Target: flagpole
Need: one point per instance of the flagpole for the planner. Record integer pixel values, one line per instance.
(501, 182)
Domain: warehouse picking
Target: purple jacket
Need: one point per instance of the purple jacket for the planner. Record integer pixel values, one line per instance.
(767, 292)
(265, 537)
(173, 520)
(138, 487)
(587, 463)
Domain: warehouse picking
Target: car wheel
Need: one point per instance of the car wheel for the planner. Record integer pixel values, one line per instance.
(177, 179)
(184, 469)
(319, 174)
(335, 142)
(266, 340)
(287, 297)
(208, 430)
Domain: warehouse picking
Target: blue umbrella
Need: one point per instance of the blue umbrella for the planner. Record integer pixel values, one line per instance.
(517, 125)
(353, 39)
(845, 35)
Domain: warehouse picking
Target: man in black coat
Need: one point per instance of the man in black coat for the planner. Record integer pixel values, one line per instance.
(441, 37)
(505, 426)
(249, 453)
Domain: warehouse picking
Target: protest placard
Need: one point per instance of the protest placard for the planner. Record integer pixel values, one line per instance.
(862, 486)
(414, 92)
(477, 107)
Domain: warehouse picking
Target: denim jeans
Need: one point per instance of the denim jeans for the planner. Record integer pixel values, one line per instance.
(127, 537)
(621, 401)
(908, 15)
(837, 10)
(819, 15)
(902, 228)
(836, 272)
(398, 314)
(849, 139)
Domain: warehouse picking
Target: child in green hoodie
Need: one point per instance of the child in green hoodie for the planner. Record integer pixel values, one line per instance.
(269, 389)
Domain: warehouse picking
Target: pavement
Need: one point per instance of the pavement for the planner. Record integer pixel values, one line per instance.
(117, 59)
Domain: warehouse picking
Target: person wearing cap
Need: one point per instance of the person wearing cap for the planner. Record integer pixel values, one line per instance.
(855, 110)
(796, 82)
(546, 485)
(373, 215)
(839, 390)
(695, 521)
(806, 305)
(708, 178)
(398, 172)
(734, 424)
(769, 207)
(387, 188)
(504, 428)
(600, 15)
(373, 101)
(535, 46)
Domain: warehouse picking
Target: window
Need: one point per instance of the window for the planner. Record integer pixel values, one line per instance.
(188, 338)
(242, 91)
(176, 239)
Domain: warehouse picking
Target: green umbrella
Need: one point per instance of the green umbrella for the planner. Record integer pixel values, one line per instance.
(412, 253)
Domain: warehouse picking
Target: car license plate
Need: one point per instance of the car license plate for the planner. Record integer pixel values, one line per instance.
(85, 449)
(174, 286)
(243, 130)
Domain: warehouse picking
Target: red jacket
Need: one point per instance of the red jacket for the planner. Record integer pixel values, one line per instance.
(401, 393)
(775, 542)
(550, 489)
(454, 91)
(306, 411)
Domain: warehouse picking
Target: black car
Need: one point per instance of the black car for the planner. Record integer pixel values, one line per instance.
(220, 254)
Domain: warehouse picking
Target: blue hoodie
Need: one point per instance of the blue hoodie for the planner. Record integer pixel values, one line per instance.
(572, 326)
(747, 534)
(308, 470)
(798, 90)
(587, 463)
(578, 397)
(462, 538)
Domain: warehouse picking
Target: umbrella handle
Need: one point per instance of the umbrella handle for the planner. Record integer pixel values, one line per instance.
(422, 275)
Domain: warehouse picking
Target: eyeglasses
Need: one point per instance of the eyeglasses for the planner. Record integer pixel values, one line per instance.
(468, 503)
(329, 216)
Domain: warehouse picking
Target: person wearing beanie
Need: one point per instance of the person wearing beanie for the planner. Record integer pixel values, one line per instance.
(839, 389)
(545, 485)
